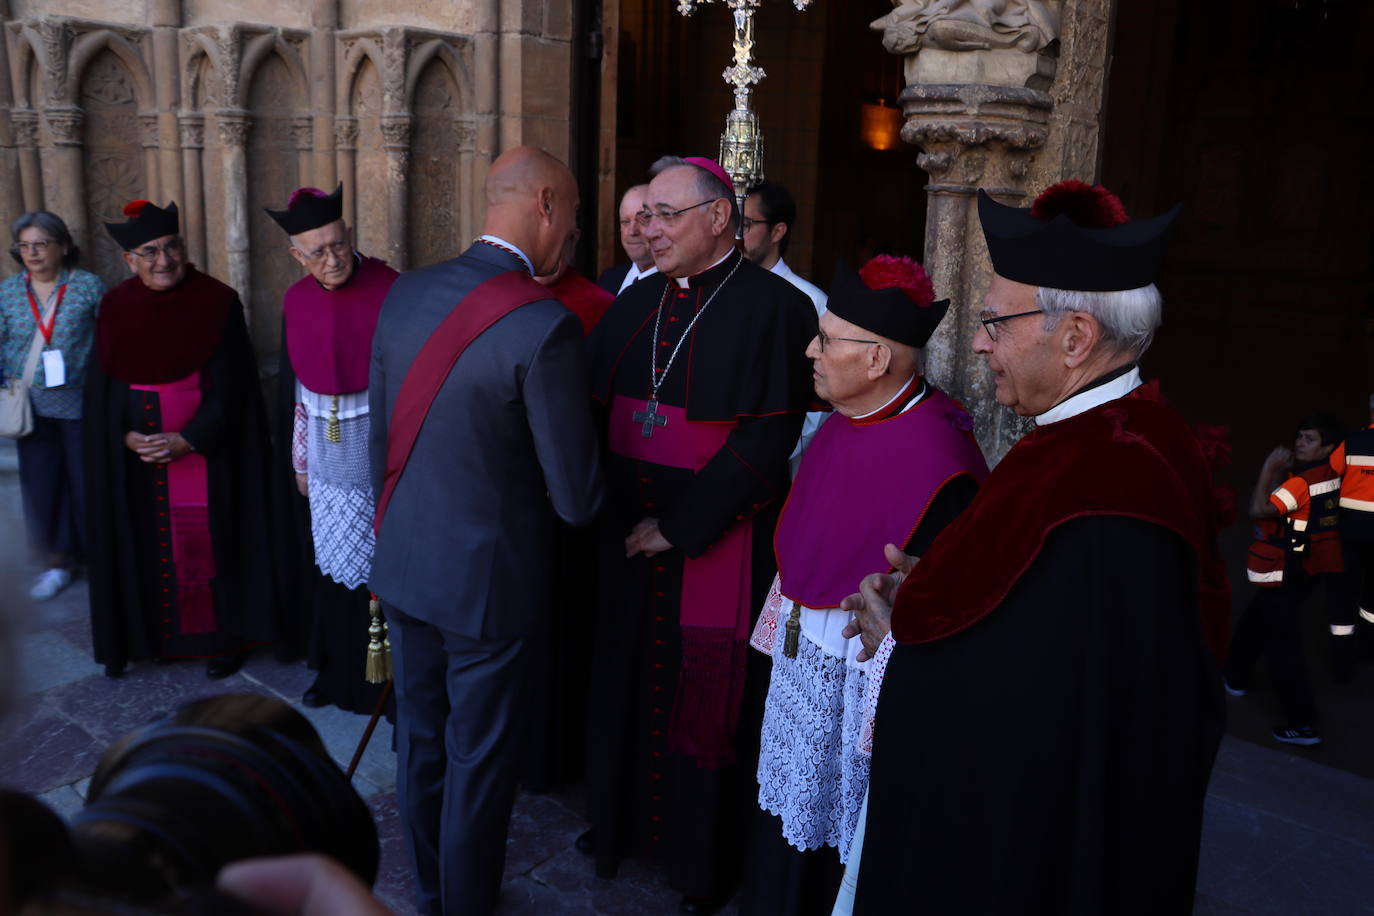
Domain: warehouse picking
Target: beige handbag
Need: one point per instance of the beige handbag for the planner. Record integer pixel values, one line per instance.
(16, 410)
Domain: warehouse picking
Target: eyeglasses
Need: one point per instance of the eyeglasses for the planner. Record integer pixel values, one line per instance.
(340, 251)
(668, 217)
(35, 247)
(824, 337)
(746, 223)
(173, 250)
(990, 324)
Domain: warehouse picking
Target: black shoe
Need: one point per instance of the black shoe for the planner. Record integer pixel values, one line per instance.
(702, 906)
(114, 670)
(314, 697)
(1304, 735)
(224, 665)
(586, 843)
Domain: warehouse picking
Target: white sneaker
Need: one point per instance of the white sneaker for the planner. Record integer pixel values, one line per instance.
(50, 583)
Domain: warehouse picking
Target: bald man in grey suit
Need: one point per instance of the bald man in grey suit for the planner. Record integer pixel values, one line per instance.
(508, 443)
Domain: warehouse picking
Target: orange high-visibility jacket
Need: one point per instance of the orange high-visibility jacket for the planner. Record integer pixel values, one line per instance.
(1353, 459)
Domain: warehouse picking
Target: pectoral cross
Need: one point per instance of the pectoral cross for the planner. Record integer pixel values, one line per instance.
(650, 418)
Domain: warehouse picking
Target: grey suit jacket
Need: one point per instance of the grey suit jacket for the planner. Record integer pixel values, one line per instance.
(509, 441)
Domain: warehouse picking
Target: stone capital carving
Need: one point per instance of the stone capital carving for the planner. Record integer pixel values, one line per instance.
(302, 132)
(192, 130)
(396, 131)
(974, 136)
(346, 133)
(467, 136)
(64, 124)
(25, 121)
(149, 128)
(233, 127)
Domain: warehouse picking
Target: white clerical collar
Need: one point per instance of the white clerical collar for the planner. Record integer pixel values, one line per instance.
(1095, 396)
(684, 282)
(634, 273)
(497, 240)
(892, 400)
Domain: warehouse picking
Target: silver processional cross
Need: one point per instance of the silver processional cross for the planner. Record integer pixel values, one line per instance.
(650, 417)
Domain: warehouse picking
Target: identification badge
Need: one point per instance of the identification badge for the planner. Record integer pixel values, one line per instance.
(54, 369)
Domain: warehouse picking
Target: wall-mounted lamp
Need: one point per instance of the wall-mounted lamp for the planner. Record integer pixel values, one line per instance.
(880, 126)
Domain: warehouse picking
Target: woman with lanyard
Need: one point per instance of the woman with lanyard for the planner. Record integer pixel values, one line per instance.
(57, 303)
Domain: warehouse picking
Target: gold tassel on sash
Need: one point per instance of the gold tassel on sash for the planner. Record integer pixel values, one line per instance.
(378, 646)
(792, 632)
(331, 426)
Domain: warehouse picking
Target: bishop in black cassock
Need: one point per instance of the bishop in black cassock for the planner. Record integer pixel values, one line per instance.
(703, 382)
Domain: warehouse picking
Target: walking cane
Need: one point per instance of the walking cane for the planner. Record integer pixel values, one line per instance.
(378, 670)
(367, 733)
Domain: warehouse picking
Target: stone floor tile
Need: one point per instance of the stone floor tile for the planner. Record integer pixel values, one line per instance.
(41, 749)
(110, 708)
(394, 882)
(341, 732)
(525, 897)
(1266, 864)
(64, 800)
(290, 679)
(540, 828)
(47, 659)
(78, 633)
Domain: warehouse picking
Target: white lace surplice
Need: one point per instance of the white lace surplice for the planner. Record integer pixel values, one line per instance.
(341, 505)
(812, 773)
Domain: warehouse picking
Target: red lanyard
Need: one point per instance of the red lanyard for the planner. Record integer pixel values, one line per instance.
(38, 315)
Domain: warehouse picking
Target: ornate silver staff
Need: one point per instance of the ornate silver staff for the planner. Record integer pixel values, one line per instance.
(741, 146)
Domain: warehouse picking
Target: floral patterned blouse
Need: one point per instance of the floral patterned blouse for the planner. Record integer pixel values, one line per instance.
(73, 334)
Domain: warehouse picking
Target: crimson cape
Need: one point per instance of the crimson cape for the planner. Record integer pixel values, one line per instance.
(1047, 727)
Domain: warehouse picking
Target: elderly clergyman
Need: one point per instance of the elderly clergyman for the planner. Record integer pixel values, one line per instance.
(325, 506)
(1051, 710)
(175, 445)
(890, 468)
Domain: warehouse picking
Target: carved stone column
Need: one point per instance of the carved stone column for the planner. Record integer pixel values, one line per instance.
(977, 104)
(972, 136)
(346, 154)
(25, 121)
(233, 138)
(396, 141)
(302, 133)
(324, 20)
(11, 189)
(152, 146)
(191, 127)
(165, 18)
(64, 179)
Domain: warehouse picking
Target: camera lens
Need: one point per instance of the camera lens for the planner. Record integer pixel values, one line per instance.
(225, 778)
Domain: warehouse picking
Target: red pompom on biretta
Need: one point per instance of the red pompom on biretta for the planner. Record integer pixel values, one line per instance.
(891, 272)
(1090, 206)
(303, 192)
(134, 208)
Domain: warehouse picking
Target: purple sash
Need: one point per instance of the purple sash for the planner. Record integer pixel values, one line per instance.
(864, 485)
(188, 502)
(714, 608)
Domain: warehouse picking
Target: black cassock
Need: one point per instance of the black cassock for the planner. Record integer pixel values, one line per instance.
(134, 613)
(1052, 758)
(743, 363)
(328, 621)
